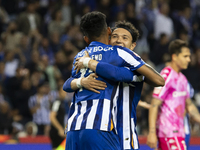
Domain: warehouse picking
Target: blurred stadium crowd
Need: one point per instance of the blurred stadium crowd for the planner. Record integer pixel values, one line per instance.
(39, 39)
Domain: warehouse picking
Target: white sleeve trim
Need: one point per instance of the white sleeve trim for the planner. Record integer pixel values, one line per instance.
(56, 105)
(128, 57)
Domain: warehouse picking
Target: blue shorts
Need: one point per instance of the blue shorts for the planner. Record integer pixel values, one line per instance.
(90, 139)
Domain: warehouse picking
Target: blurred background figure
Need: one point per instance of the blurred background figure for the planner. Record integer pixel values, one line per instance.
(58, 114)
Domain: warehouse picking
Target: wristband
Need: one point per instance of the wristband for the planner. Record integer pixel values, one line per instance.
(86, 61)
(78, 83)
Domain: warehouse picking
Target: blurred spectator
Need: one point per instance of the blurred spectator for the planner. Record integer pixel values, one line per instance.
(4, 18)
(163, 23)
(63, 65)
(104, 7)
(78, 40)
(14, 83)
(53, 73)
(142, 44)
(31, 129)
(55, 41)
(57, 24)
(67, 12)
(21, 100)
(32, 65)
(11, 37)
(39, 105)
(131, 16)
(185, 21)
(29, 21)
(120, 16)
(183, 35)
(3, 77)
(5, 115)
(11, 64)
(25, 47)
(57, 117)
(83, 10)
(160, 49)
(118, 6)
(45, 49)
(42, 7)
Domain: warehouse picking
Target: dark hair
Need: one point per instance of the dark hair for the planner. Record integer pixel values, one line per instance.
(129, 27)
(176, 45)
(93, 24)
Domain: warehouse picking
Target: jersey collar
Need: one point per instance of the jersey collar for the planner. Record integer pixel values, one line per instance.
(95, 43)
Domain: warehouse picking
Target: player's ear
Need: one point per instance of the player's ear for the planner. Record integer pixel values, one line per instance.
(174, 57)
(133, 45)
(86, 39)
(109, 31)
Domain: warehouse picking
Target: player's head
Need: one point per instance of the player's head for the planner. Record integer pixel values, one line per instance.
(94, 26)
(124, 34)
(180, 53)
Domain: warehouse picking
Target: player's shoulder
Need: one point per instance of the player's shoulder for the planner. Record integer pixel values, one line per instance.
(81, 53)
(124, 50)
(183, 77)
(166, 72)
(117, 47)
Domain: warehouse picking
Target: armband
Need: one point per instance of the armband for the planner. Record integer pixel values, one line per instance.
(86, 61)
(78, 83)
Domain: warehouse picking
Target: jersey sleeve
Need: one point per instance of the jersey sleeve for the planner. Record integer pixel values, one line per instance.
(56, 106)
(67, 85)
(130, 59)
(161, 92)
(190, 91)
(114, 73)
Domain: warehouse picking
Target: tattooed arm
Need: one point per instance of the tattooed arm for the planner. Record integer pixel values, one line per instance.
(153, 113)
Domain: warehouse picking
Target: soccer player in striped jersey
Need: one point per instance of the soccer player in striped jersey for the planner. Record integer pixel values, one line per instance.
(91, 117)
(166, 124)
(124, 35)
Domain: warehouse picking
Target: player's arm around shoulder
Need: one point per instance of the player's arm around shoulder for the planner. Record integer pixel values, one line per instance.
(152, 77)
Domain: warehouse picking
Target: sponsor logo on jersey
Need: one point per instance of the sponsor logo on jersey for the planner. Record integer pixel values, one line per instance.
(178, 94)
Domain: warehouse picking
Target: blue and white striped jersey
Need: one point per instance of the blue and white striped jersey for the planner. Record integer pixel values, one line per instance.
(90, 110)
(129, 96)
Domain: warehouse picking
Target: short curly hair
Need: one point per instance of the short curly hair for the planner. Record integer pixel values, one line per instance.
(129, 27)
(93, 24)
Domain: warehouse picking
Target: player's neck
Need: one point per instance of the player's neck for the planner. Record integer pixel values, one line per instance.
(103, 40)
(174, 66)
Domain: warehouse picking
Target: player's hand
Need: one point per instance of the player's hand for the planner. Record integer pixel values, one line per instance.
(79, 62)
(61, 133)
(144, 104)
(152, 140)
(90, 83)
